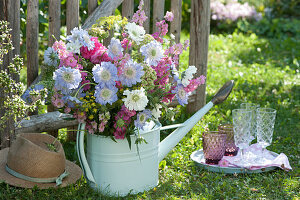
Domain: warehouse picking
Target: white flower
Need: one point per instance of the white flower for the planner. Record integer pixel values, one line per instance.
(135, 100)
(187, 75)
(156, 112)
(136, 32)
(74, 46)
(153, 52)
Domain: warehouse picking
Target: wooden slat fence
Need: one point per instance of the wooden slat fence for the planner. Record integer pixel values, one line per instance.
(199, 32)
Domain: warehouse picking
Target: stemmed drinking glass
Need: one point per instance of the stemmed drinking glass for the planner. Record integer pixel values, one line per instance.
(241, 127)
(253, 127)
(265, 126)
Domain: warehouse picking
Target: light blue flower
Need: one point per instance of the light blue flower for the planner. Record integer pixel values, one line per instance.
(153, 52)
(82, 37)
(51, 57)
(71, 101)
(131, 73)
(66, 79)
(106, 94)
(142, 118)
(105, 74)
(27, 97)
(181, 94)
(115, 48)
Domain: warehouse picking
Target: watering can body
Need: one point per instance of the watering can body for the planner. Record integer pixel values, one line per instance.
(114, 169)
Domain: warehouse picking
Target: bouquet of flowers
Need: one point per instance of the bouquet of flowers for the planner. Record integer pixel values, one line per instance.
(116, 89)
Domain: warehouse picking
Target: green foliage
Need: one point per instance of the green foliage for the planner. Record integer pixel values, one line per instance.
(11, 90)
(266, 71)
(277, 27)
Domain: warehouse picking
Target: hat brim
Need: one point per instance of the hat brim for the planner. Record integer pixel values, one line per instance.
(73, 170)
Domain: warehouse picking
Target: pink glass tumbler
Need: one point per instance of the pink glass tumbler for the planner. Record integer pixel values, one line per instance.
(230, 148)
(213, 146)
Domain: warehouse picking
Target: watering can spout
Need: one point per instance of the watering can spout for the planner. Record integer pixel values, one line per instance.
(182, 129)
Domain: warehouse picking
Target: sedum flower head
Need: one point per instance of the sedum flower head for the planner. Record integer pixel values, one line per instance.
(135, 99)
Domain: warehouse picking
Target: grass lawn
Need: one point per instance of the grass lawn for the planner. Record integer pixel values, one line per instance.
(266, 71)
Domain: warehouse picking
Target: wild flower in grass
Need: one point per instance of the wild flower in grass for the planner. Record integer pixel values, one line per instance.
(153, 52)
(169, 16)
(181, 94)
(106, 94)
(66, 79)
(105, 74)
(136, 32)
(115, 48)
(51, 57)
(135, 99)
(142, 118)
(131, 73)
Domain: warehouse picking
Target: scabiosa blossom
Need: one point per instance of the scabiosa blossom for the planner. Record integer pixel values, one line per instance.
(131, 73)
(82, 37)
(135, 99)
(181, 94)
(115, 48)
(66, 79)
(153, 52)
(169, 16)
(106, 74)
(142, 118)
(51, 57)
(74, 46)
(106, 95)
(136, 32)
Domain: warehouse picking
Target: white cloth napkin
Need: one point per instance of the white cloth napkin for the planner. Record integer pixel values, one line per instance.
(255, 157)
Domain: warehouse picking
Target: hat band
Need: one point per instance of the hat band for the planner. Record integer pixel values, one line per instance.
(58, 179)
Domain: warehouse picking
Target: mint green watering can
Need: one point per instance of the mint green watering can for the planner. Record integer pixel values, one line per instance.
(116, 170)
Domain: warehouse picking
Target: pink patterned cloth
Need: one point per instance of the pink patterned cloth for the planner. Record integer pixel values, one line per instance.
(255, 157)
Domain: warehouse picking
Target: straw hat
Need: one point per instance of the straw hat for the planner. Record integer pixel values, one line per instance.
(30, 161)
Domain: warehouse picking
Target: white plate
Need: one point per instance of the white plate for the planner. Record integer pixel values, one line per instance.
(198, 158)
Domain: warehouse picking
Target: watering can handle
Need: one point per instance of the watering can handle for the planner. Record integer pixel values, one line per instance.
(81, 154)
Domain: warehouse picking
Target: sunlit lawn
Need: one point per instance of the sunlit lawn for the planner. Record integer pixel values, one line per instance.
(266, 71)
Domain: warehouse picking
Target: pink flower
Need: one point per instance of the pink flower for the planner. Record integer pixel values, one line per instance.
(59, 103)
(178, 49)
(94, 125)
(194, 83)
(162, 27)
(59, 45)
(101, 127)
(67, 110)
(126, 44)
(169, 16)
(71, 61)
(186, 44)
(157, 38)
